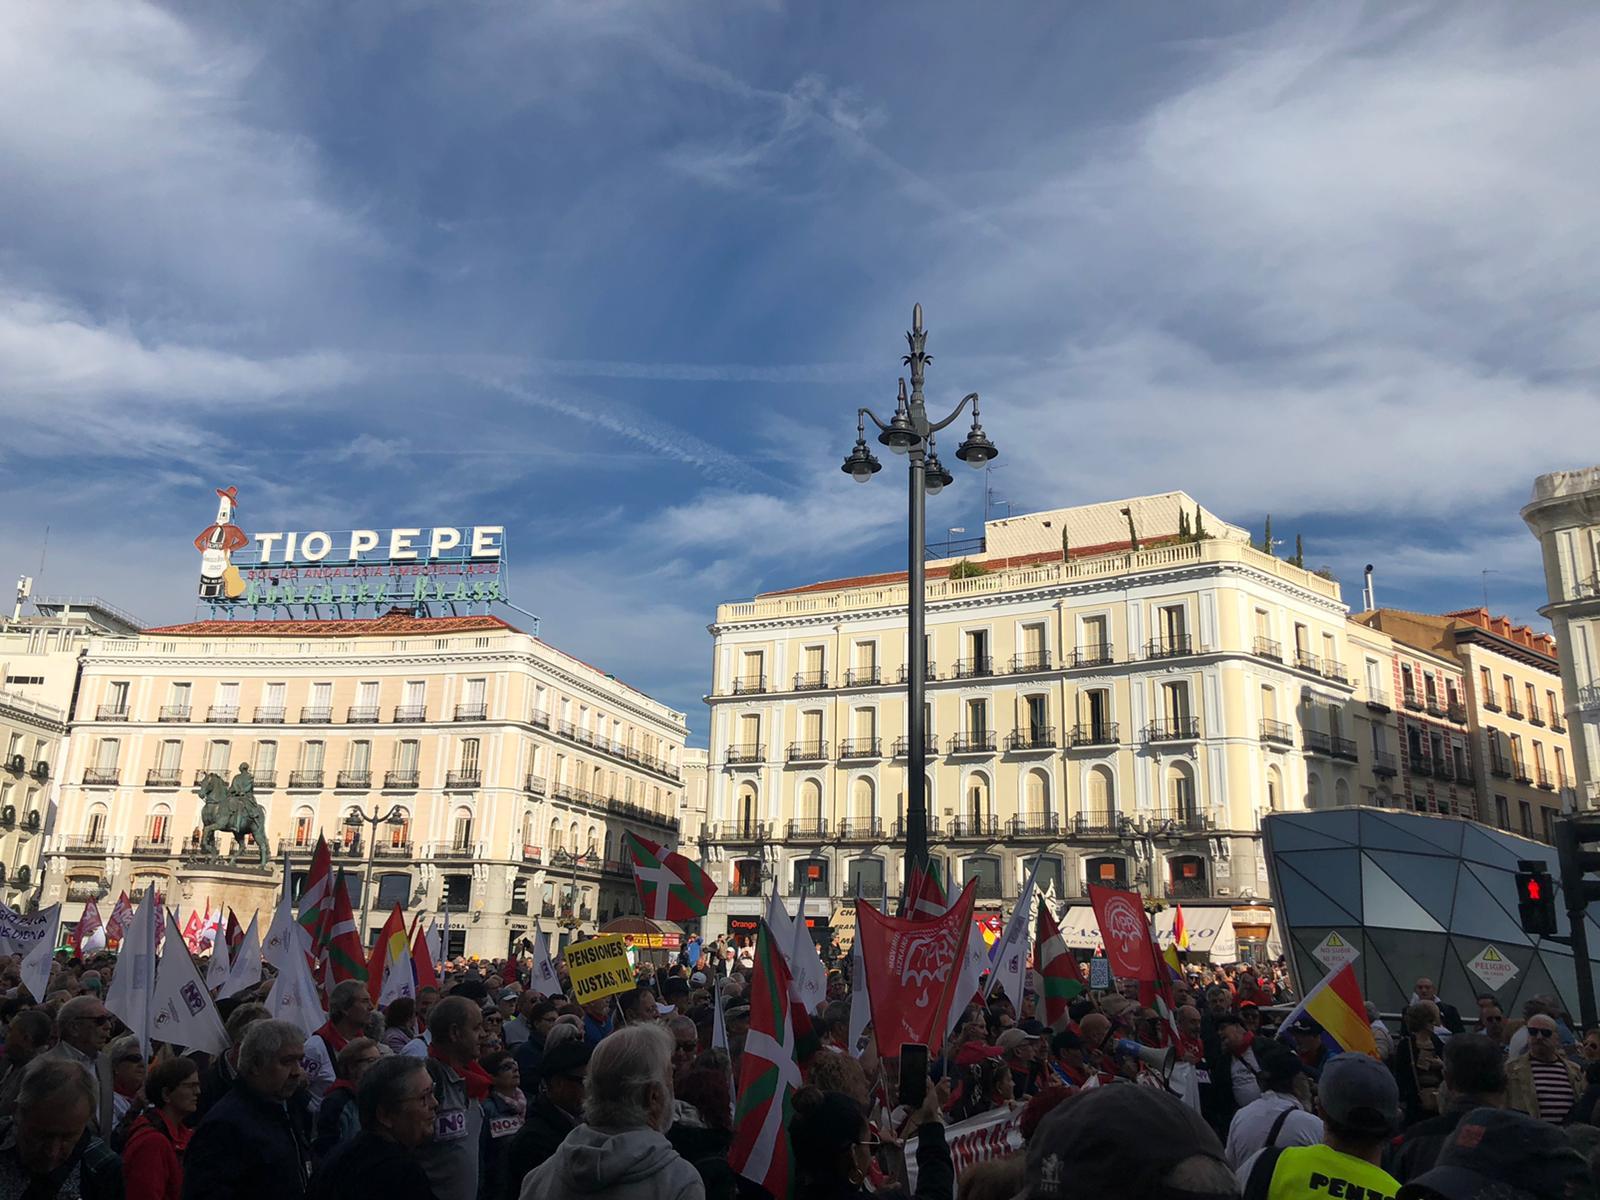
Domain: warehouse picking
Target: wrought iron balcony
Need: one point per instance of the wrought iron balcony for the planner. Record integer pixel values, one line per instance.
(1422, 764)
(410, 714)
(976, 741)
(861, 748)
(1036, 824)
(1383, 763)
(1333, 669)
(1316, 742)
(866, 889)
(1279, 732)
(1265, 647)
(900, 827)
(1545, 781)
(354, 780)
(930, 672)
(100, 776)
(814, 829)
(361, 714)
(1490, 703)
(1188, 889)
(1512, 710)
(1307, 661)
(811, 681)
(750, 685)
(471, 712)
(264, 780)
(862, 829)
(987, 889)
(902, 746)
(456, 848)
(808, 751)
(1119, 882)
(147, 847)
(269, 714)
(1434, 705)
(1177, 646)
(1039, 737)
(316, 715)
(1173, 729)
(160, 777)
(1456, 711)
(1343, 747)
(1102, 733)
(84, 843)
(1378, 700)
(305, 779)
(1499, 768)
(743, 831)
(463, 779)
(535, 785)
(223, 714)
(538, 718)
(400, 780)
(111, 712)
(174, 712)
(1095, 654)
(862, 677)
(1535, 717)
(975, 828)
(1034, 660)
(1184, 818)
(1520, 773)
(973, 668)
(747, 752)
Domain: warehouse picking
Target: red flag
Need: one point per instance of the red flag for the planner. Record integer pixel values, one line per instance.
(1063, 978)
(912, 968)
(87, 924)
(314, 896)
(235, 935)
(346, 959)
(1125, 930)
(422, 961)
(120, 916)
(925, 900)
(389, 971)
(191, 932)
(671, 888)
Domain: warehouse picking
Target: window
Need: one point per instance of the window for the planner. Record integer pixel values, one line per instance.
(1313, 790)
(813, 672)
(1175, 704)
(1526, 812)
(95, 827)
(158, 823)
(1511, 694)
(461, 830)
(1552, 709)
(1430, 689)
(117, 697)
(167, 758)
(1274, 790)
(1174, 629)
(1561, 767)
(866, 659)
(393, 888)
(1048, 880)
(809, 805)
(1180, 793)
(321, 702)
(227, 699)
(1486, 685)
(1335, 717)
(1408, 682)
(105, 753)
(1533, 699)
(1036, 794)
(217, 756)
(367, 698)
(1374, 679)
(1034, 655)
(1502, 812)
(862, 806)
(1263, 625)
(865, 722)
(1269, 702)
(864, 877)
(178, 698)
(1096, 645)
(979, 808)
(810, 877)
(265, 765)
(469, 756)
(1096, 714)
(1038, 719)
(750, 730)
(405, 757)
(811, 730)
(977, 719)
(272, 701)
(311, 757)
(747, 807)
(1102, 793)
(751, 672)
(977, 652)
(359, 758)
(1301, 636)
(303, 819)
(987, 872)
(1107, 872)
(457, 893)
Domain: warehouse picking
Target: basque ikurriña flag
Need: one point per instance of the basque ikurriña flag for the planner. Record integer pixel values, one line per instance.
(1063, 981)
(778, 1044)
(671, 888)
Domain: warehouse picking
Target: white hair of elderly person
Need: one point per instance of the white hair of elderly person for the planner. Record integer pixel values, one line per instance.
(621, 1152)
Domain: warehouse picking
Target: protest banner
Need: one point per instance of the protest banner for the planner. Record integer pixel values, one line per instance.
(598, 968)
(19, 934)
(978, 1139)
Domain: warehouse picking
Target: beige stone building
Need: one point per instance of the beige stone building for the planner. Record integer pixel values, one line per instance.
(512, 769)
(692, 818)
(1126, 715)
(1564, 515)
(1482, 726)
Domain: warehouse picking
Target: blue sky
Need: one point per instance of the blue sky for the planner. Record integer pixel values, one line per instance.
(618, 274)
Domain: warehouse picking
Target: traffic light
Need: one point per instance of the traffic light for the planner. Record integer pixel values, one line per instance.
(1573, 836)
(1536, 899)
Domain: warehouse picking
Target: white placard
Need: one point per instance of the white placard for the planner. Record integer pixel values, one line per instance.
(1335, 951)
(1493, 967)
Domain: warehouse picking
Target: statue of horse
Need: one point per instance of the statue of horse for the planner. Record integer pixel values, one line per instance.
(227, 811)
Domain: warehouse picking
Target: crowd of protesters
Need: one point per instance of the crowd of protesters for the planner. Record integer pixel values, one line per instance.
(482, 1089)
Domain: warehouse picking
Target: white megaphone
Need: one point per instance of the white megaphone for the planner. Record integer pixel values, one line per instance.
(1154, 1057)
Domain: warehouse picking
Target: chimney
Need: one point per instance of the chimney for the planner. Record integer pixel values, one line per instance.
(1368, 600)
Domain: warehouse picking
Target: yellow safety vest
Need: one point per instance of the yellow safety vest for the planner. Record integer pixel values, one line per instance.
(1322, 1173)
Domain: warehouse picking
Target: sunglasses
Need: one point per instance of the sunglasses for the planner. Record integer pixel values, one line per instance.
(1544, 1033)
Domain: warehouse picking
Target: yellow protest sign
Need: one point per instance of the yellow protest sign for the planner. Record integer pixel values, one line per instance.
(599, 968)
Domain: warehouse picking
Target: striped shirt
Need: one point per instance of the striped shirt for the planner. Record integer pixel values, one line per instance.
(1552, 1086)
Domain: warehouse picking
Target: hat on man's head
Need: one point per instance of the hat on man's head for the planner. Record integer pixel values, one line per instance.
(1358, 1094)
(565, 1058)
(1501, 1154)
(1115, 1141)
(1011, 1039)
(698, 979)
(1114, 1005)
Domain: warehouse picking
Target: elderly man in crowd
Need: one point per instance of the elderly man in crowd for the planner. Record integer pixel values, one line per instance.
(83, 1026)
(47, 1149)
(553, 1113)
(398, 1109)
(256, 1141)
(1543, 1083)
(450, 1159)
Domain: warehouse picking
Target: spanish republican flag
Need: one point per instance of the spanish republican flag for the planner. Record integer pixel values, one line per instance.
(1336, 1005)
(389, 974)
(1180, 931)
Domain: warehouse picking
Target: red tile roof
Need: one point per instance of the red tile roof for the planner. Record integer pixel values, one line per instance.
(388, 625)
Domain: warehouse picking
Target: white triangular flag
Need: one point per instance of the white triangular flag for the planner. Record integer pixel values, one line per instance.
(131, 996)
(860, 1006)
(542, 976)
(246, 969)
(793, 940)
(719, 1025)
(285, 936)
(217, 969)
(36, 966)
(294, 995)
(1010, 958)
(183, 1013)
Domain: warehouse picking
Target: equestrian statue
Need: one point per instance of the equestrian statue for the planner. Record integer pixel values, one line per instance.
(231, 808)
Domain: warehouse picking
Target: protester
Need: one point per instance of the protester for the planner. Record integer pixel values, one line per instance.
(1281, 1116)
(48, 1148)
(256, 1141)
(157, 1137)
(450, 1158)
(1449, 1015)
(128, 1069)
(83, 1026)
(831, 1146)
(1474, 1078)
(1241, 1064)
(28, 1035)
(542, 1016)
(1542, 1083)
(1419, 1062)
(338, 1118)
(555, 1111)
(620, 1151)
(397, 1107)
(349, 1007)
(400, 1023)
(218, 1078)
(1496, 1153)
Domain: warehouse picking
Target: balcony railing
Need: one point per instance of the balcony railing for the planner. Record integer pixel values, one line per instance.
(1103, 733)
(535, 785)
(811, 830)
(812, 681)
(1095, 654)
(1499, 768)
(353, 780)
(1513, 710)
(967, 828)
(1307, 661)
(987, 889)
(471, 712)
(747, 752)
(862, 677)
(808, 751)
(1040, 737)
(1343, 747)
(866, 889)
(976, 741)
(862, 829)
(99, 776)
(84, 843)
(1173, 729)
(174, 712)
(1333, 669)
(860, 748)
(1097, 822)
(1545, 781)
(1265, 647)
(264, 780)
(463, 779)
(316, 715)
(1177, 646)
(1434, 706)
(750, 685)
(1316, 742)
(111, 712)
(900, 827)
(160, 777)
(1036, 824)
(1188, 889)
(1378, 700)
(538, 718)
(1490, 703)
(1119, 882)
(973, 668)
(400, 780)
(1033, 660)
(930, 672)
(410, 714)
(305, 779)
(1422, 764)
(1535, 717)
(1456, 711)
(1184, 817)
(362, 714)
(1383, 763)
(268, 714)
(1520, 773)
(455, 848)
(223, 714)
(1411, 699)
(146, 847)
(902, 746)
(743, 831)
(1279, 732)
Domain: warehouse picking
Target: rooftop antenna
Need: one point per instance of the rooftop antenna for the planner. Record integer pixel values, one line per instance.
(1369, 602)
(1484, 575)
(43, 550)
(989, 499)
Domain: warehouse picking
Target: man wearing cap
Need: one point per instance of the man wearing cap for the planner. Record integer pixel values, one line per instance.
(1542, 1083)
(1017, 1047)
(555, 1112)
(1360, 1105)
(1507, 1155)
(1308, 1044)
(1282, 1116)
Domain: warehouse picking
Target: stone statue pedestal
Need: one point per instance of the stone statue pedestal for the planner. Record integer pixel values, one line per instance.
(248, 890)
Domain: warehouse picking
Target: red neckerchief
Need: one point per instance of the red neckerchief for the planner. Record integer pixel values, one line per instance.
(1249, 1040)
(475, 1077)
(334, 1040)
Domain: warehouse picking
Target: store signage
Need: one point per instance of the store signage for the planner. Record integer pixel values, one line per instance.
(652, 941)
(378, 568)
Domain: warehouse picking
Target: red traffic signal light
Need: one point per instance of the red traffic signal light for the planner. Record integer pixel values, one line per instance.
(1531, 889)
(1536, 901)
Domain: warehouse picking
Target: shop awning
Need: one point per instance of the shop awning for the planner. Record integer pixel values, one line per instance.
(643, 933)
(1210, 931)
(1079, 929)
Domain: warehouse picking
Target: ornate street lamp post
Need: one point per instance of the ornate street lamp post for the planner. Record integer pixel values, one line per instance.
(355, 819)
(910, 432)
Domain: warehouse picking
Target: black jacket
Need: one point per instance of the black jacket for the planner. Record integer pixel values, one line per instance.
(545, 1128)
(369, 1167)
(1417, 1149)
(936, 1173)
(1405, 1075)
(1450, 1017)
(216, 1081)
(249, 1147)
(529, 1056)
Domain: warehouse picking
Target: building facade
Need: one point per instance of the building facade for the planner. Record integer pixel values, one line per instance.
(692, 819)
(1123, 712)
(503, 772)
(1564, 514)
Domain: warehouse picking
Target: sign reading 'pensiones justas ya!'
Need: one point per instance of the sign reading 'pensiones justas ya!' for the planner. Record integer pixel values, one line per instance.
(452, 564)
